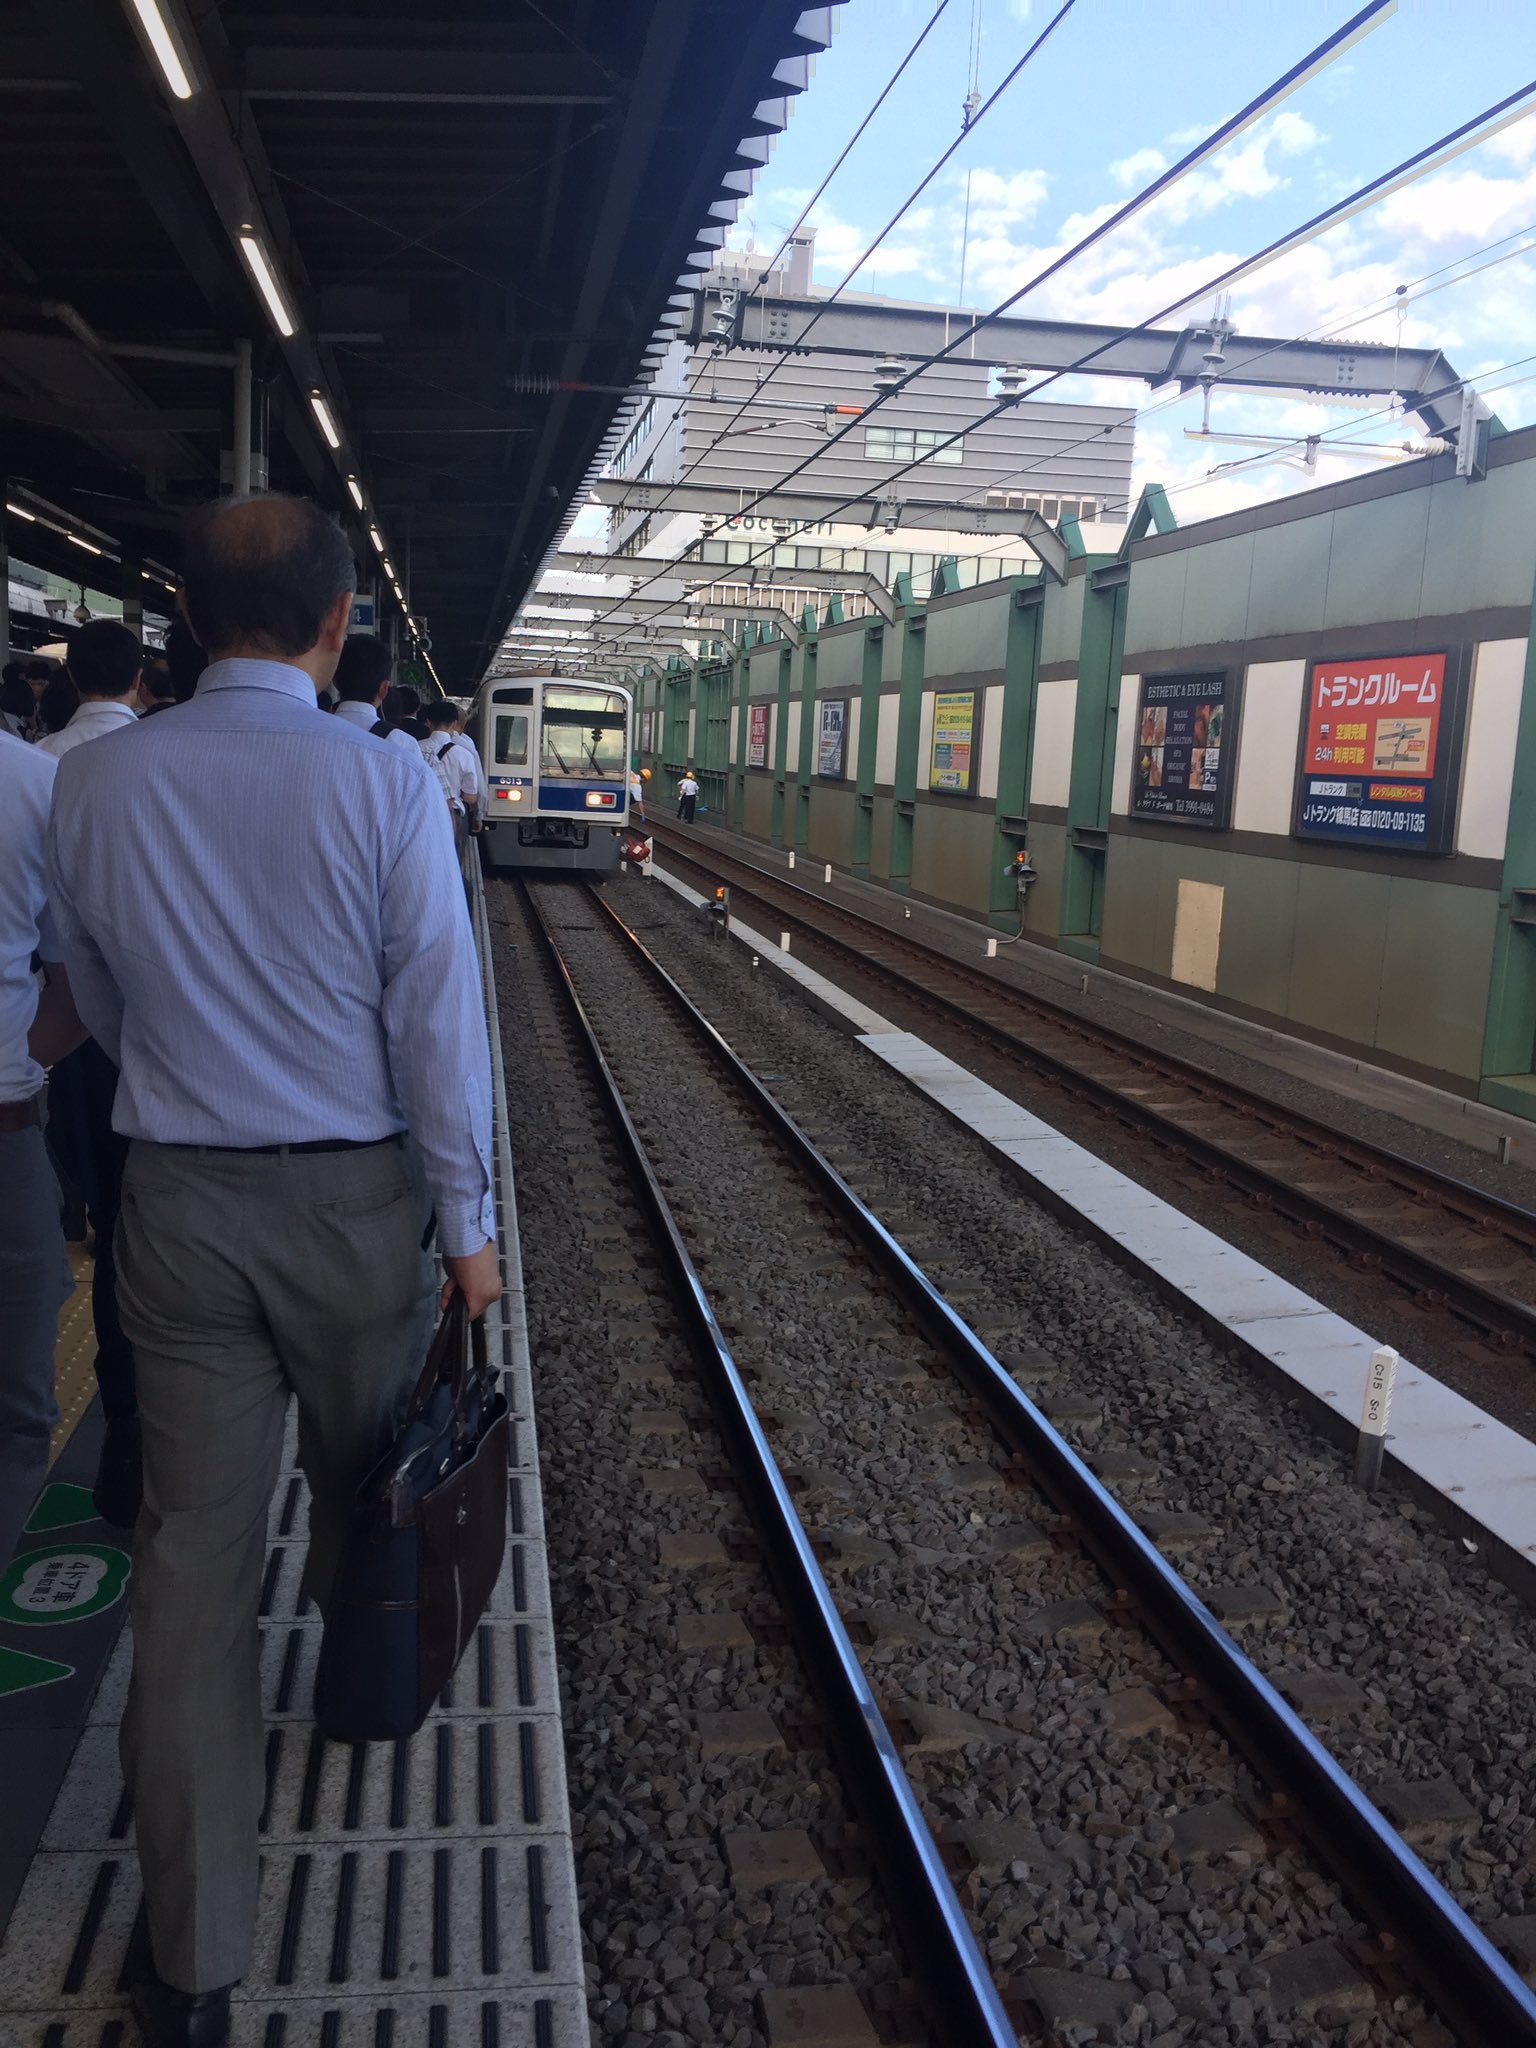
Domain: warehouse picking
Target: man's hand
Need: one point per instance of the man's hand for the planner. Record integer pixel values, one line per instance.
(56, 1028)
(477, 1276)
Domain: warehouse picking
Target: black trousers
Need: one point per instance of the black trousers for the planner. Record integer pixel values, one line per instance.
(685, 808)
(91, 1155)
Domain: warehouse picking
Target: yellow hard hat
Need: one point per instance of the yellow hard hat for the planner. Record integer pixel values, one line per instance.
(645, 774)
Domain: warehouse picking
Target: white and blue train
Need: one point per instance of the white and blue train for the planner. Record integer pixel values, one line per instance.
(556, 752)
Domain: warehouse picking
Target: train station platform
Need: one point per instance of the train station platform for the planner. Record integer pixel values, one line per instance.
(1256, 1053)
(420, 1892)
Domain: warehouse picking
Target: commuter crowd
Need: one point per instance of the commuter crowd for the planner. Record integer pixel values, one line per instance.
(240, 1023)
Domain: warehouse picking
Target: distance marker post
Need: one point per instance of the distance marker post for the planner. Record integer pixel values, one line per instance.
(1379, 1377)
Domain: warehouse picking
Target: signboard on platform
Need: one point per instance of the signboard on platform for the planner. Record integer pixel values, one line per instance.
(1377, 766)
(832, 737)
(951, 754)
(1186, 753)
(757, 735)
(364, 617)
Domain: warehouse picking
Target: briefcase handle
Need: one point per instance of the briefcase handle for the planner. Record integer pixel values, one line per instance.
(456, 1350)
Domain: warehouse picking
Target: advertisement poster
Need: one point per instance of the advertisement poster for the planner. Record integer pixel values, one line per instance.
(1185, 749)
(954, 734)
(647, 732)
(757, 735)
(1373, 766)
(832, 736)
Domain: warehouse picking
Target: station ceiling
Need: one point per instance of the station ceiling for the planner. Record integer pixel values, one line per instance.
(461, 207)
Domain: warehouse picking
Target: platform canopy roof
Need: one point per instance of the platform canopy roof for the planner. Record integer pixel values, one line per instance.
(465, 209)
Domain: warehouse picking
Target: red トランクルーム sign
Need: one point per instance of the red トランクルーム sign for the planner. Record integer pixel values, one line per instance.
(1375, 718)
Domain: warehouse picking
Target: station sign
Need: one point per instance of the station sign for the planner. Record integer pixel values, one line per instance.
(1185, 761)
(952, 749)
(1379, 752)
(365, 614)
(832, 738)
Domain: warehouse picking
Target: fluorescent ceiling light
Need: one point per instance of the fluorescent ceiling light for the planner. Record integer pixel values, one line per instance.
(322, 413)
(387, 567)
(266, 281)
(21, 511)
(89, 545)
(357, 492)
(166, 54)
(377, 538)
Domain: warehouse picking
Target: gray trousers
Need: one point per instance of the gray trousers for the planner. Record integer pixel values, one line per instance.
(35, 1282)
(244, 1278)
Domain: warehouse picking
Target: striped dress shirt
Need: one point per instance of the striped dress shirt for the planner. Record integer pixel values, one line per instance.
(265, 928)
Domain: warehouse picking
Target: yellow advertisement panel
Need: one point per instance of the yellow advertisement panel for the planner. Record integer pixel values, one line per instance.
(953, 746)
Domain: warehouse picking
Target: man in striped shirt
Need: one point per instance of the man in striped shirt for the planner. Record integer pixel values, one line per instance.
(265, 929)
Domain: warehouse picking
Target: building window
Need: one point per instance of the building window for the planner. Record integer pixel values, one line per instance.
(631, 442)
(911, 444)
(1052, 508)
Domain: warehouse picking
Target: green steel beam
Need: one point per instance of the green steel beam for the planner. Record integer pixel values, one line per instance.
(909, 714)
(1509, 1041)
(1093, 753)
(1016, 742)
(869, 742)
(807, 735)
(781, 747)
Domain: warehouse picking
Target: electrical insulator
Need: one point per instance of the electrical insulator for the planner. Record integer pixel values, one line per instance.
(1010, 383)
(889, 373)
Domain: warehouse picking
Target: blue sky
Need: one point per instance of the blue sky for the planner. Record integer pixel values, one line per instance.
(1123, 88)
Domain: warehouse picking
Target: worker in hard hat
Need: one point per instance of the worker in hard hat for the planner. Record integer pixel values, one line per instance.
(637, 795)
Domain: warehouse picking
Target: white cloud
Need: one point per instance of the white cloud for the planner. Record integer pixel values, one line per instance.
(1136, 168)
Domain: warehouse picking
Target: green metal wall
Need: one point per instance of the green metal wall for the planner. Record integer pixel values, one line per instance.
(1425, 964)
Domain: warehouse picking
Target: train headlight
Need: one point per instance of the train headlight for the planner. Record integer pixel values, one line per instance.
(510, 796)
(600, 800)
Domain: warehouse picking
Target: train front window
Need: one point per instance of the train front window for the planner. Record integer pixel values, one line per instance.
(511, 739)
(582, 735)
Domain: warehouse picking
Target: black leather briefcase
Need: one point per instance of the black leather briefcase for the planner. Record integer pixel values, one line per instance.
(424, 1550)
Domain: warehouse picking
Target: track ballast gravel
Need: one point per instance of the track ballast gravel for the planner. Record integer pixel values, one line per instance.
(1370, 1593)
(676, 1956)
(1102, 1876)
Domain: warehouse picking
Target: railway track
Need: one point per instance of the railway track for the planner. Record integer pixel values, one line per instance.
(1069, 1583)
(1454, 1248)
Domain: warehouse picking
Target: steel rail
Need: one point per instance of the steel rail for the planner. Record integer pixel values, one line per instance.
(960, 1999)
(1503, 1316)
(1474, 1989)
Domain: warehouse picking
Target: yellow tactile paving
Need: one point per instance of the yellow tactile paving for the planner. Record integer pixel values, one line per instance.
(74, 1377)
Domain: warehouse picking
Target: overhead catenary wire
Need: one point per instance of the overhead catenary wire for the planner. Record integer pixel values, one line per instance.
(978, 115)
(837, 163)
(1330, 48)
(1349, 203)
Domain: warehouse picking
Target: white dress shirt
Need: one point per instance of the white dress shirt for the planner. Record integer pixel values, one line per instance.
(95, 717)
(458, 776)
(407, 742)
(26, 785)
(358, 713)
(264, 923)
(467, 746)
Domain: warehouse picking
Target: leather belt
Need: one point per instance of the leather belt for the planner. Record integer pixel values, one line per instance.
(21, 1116)
(309, 1145)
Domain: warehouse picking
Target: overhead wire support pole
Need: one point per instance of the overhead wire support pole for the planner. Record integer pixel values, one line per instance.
(1324, 53)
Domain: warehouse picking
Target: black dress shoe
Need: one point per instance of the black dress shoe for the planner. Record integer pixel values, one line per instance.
(169, 2018)
(119, 1487)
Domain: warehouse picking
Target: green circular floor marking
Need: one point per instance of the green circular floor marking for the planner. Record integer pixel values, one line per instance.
(62, 1582)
